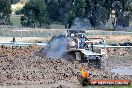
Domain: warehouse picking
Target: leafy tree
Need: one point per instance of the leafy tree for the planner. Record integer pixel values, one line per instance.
(89, 4)
(53, 10)
(127, 6)
(35, 14)
(76, 8)
(18, 12)
(108, 5)
(5, 12)
(96, 12)
(14, 1)
(58, 10)
(79, 7)
(123, 12)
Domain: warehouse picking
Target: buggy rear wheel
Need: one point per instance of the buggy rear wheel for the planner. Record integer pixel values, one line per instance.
(96, 63)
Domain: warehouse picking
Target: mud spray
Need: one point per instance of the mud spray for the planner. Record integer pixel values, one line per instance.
(56, 47)
(81, 24)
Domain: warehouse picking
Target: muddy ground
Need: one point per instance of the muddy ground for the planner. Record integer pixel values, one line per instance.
(21, 68)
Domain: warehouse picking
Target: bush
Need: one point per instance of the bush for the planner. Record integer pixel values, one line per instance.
(35, 14)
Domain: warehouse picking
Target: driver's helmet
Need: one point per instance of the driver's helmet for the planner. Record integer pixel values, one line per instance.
(82, 36)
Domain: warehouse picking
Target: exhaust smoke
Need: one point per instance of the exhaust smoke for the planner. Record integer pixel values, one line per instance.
(81, 24)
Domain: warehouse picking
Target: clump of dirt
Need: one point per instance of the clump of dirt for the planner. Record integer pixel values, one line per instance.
(28, 71)
(18, 51)
(19, 66)
(119, 51)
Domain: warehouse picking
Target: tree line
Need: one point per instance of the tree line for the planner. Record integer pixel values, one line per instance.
(42, 13)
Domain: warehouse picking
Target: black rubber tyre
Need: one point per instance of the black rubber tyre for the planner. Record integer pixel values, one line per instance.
(98, 63)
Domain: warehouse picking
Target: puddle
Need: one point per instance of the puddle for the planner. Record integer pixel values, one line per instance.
(122, 70)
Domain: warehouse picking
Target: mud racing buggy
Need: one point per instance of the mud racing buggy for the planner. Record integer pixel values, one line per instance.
(86, 49)
(76, 44)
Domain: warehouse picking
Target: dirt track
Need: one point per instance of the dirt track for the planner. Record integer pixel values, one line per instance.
(20, 68)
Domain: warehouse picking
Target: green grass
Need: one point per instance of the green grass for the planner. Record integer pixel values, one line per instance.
(15, 20)
(57, 26)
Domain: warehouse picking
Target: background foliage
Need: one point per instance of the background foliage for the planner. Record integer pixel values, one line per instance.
(42, 13)
(4, 12)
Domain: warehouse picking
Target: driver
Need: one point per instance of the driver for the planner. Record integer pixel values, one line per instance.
(82, 41)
